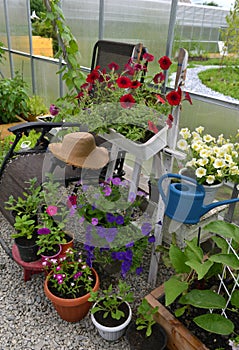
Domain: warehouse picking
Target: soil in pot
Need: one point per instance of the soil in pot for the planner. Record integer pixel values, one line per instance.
(112, 322)
(138, 341)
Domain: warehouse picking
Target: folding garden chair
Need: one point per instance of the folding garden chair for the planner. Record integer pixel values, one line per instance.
(20, 166)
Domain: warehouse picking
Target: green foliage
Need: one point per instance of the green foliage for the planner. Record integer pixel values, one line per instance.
(25, 226)
(2, 53)
(110, 300)
(223, 80)
(183, 285)
(37, 6)
(14, 99)
(145, 317)
(68, 47)
(29, 202)
(36, 106)
(230, 35)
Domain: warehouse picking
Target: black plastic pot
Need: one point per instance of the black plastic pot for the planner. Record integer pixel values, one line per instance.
(138, 341)
(27, 248)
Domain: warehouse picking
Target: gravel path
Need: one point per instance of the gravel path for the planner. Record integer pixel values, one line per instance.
(194, 84)
(29, 322)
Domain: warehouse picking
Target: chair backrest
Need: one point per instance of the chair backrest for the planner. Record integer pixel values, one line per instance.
(105, 52)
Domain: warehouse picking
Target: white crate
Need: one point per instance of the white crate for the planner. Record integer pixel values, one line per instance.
(142, 151)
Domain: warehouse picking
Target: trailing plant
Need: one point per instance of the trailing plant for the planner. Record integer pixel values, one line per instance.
(145, 317)
(194, 269)
(109, 300)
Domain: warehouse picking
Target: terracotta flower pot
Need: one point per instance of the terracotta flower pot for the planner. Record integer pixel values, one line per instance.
(71, 310)
(67, 245)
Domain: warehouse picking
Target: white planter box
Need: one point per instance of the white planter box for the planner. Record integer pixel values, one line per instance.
(142, 151)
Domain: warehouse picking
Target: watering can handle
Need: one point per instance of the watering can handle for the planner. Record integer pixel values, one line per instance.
(176, 176)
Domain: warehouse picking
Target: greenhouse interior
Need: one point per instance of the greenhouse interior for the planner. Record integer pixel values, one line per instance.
(119, 175)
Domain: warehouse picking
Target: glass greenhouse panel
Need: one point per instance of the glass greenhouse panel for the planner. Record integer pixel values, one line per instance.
(3, 35)
(23, 68)
(83, 18)
(47, 81)
(211, 116)
(18, 23)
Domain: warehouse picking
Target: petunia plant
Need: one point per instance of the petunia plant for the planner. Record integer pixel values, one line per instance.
(116, 229)
(70, 276)
(212, 160)
(110, 99)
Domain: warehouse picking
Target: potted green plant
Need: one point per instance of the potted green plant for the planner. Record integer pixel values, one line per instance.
(68, 285)
(24, 210)
(36, 107)
(195, 288)
(14, 97)
(25, 237)
(145, 333)
(122, 102)
(111, 312)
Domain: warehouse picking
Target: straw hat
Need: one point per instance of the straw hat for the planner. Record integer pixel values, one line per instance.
(79, 149)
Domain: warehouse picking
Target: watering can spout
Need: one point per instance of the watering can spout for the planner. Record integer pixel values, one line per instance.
(184, 200)
(213, 205)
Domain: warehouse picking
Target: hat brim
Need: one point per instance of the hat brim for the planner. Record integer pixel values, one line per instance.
(97, 159)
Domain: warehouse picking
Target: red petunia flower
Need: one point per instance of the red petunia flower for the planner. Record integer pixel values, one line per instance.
(135, 84)
(51, 210)
(164, 62)
(93, 76)
(129, 69)
(159, 78)
(72, 201)
(188, 98)
(152, 127)
(148, 57)
(174, 98)
(123, 82)
(113, 66)
(160, 99)
(169, 121)
(127, 101)
(138, 67)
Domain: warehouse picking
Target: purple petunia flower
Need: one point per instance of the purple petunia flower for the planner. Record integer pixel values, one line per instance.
(146, 228)
(118, 255)
(132, 197)
(43, 231)
(119, 220)
(94, 221)
(101, 231)
(128, 255)
(139, 270)
(116, 181)
(125, 267)
(107, 191)
(151, 239)
(130, 244)
(110, 218)
(110, 234)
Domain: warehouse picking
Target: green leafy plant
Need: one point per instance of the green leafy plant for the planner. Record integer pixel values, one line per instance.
(110, 300)
(193, 269)
(145, 317)
(36, 106)
(29, 202)
(25, 226)
(14, 97)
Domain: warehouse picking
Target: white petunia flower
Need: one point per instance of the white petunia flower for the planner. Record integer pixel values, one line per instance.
(182, 144)
(219, 163)
(200, 129)
(200, 172)
(210, 179)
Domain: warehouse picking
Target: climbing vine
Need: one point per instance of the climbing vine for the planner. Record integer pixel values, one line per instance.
(68, 46)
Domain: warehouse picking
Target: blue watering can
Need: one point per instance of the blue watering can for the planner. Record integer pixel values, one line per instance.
(184, 200)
